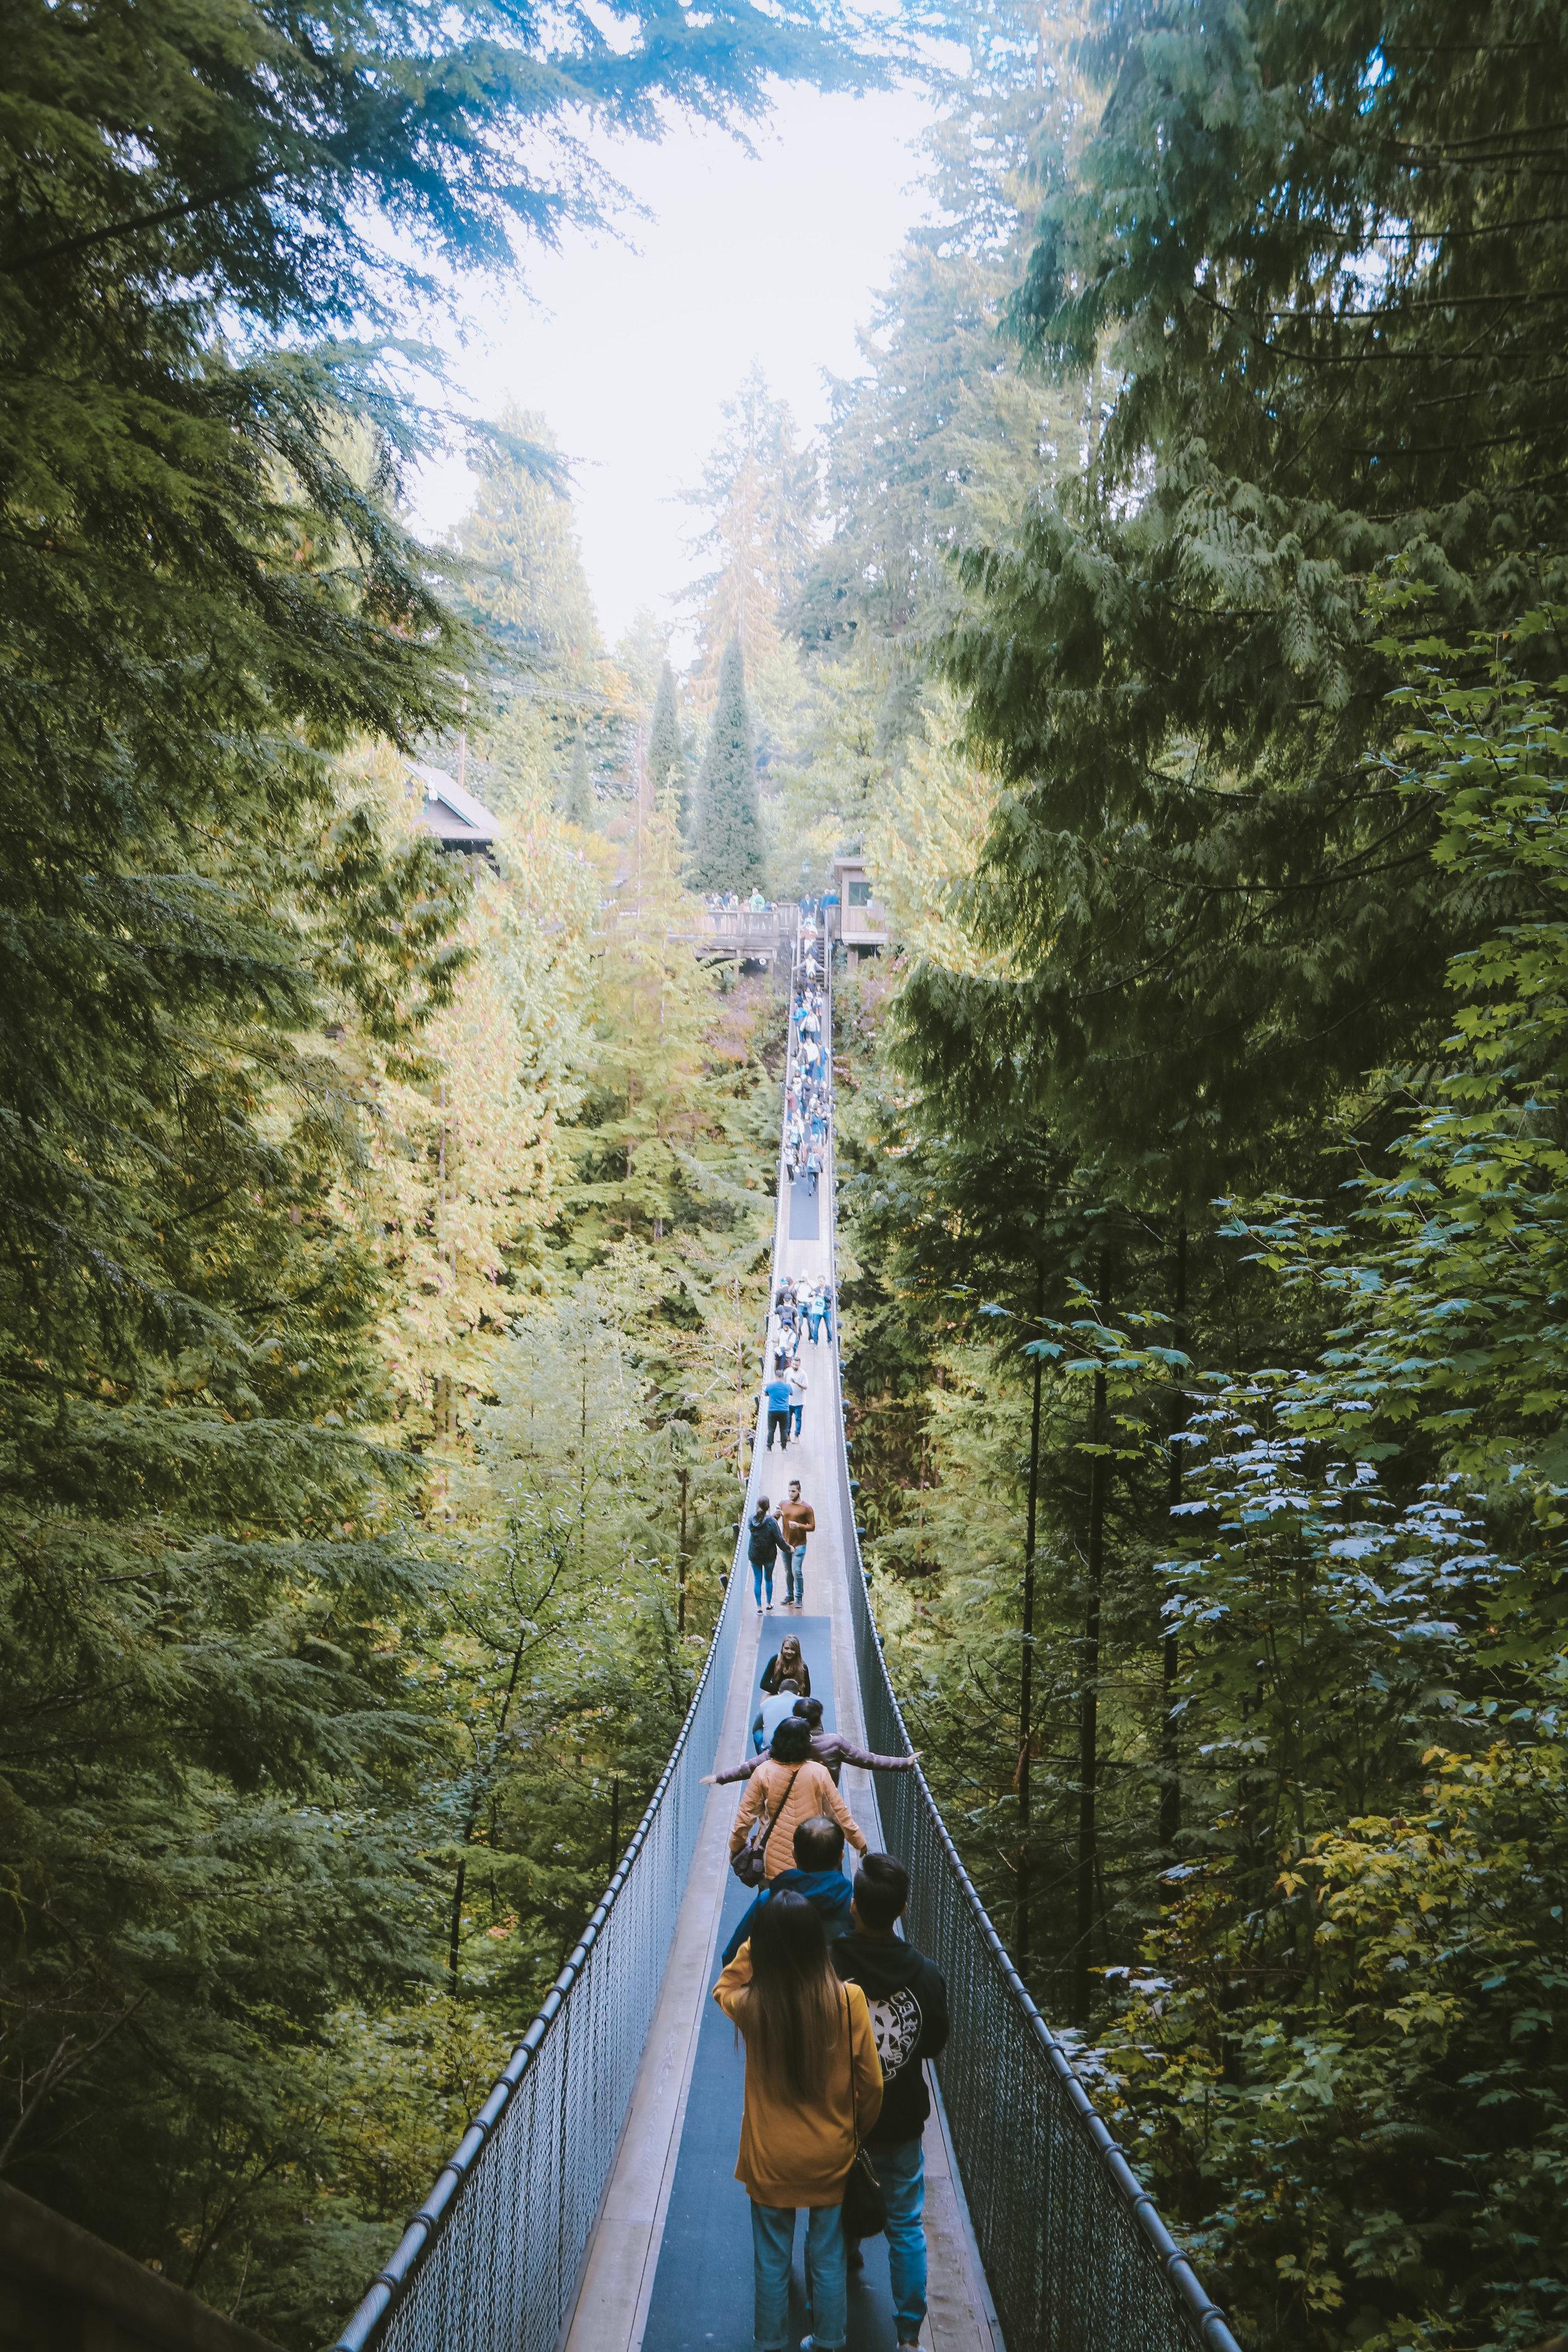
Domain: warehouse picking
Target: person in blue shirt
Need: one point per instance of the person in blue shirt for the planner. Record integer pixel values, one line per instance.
(778, 1396)
(818, 1875)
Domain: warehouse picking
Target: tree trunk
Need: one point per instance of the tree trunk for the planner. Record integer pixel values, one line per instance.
(680, 1566)
(1026, 1661)
(1089, 1700)
(1170, 1762)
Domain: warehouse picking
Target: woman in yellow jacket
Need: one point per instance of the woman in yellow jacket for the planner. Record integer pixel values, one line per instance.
(814, 2089)
(788, 1787)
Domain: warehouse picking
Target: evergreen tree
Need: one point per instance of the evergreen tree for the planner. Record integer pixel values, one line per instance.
(728, 854)
(666, 751)
(577, 805)
(758, 491)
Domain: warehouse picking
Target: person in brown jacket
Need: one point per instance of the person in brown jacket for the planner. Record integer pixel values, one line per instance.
(798, 1521)
(787, 1788)
(814, 2089)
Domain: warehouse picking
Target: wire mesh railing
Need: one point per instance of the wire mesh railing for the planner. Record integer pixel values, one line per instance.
(1075, 2254)
(493, 2259)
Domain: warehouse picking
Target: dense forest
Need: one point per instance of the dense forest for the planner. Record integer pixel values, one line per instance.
(1172, 612)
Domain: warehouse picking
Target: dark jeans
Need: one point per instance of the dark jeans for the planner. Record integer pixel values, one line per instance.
(779, 1422)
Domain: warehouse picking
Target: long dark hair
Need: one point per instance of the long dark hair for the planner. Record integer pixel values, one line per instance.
(793, 2007)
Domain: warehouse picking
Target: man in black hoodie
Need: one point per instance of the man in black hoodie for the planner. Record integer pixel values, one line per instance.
(907, 2001)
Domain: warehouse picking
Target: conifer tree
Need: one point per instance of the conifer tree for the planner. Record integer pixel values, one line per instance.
(728, 847)
(666, 751)
(577, 805)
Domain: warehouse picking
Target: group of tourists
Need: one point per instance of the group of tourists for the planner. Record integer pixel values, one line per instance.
(806, 1113)
(838, 2013)
(725, 902)
(799, 1310)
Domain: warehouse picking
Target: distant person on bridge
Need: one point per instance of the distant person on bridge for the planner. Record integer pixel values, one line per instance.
(818, 1875)
(786, 1659)
(798, 1521)
(908, 2000)
(814, 2087)
(812, 1166)
(757, 903)
(764, 1541)
(787, 1788)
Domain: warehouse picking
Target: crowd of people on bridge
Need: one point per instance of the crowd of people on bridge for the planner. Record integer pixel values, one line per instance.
(838, 2012)
(807, 1112)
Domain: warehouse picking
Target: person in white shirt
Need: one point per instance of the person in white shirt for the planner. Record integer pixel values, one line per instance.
(796, 1397)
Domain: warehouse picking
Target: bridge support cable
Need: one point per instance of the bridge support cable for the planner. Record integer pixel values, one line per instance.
(1075, 2253)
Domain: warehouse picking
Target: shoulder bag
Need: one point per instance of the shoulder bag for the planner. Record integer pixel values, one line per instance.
(865, 2207)
(747, 1865)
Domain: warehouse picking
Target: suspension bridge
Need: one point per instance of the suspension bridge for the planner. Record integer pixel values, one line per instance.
(591, 2205)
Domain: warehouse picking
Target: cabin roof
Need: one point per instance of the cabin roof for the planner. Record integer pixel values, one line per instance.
(458, 817)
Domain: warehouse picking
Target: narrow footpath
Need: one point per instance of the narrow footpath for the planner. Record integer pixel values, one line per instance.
(671, 2266)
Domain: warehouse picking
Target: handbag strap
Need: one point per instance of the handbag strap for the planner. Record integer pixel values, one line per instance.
(849, 2052)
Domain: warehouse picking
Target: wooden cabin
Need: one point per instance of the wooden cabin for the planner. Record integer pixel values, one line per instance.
(861, 922)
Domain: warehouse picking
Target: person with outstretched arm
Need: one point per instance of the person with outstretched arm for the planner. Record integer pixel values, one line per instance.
(787, 1788)
(830, 1747)
(906, 1997)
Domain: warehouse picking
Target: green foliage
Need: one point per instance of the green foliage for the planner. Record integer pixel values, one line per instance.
(666, 751)
(224, 959)
(728, 851)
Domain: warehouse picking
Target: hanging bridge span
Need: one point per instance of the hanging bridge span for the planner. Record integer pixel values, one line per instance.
(591, 2206)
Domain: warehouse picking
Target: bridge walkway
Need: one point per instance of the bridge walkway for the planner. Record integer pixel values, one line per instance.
(670, 2268)
(591, 2205)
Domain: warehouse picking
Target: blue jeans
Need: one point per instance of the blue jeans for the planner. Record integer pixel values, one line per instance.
(902, 2172)
(795, 1413)
(773, 2245)
(758, 1574)
(794, 1574)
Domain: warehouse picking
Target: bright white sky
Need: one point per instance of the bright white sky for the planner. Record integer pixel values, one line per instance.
(630, 349)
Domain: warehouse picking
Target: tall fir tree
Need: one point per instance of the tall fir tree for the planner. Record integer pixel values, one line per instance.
(728, 847)
(665, 751)
(577, 804)
(759, 493)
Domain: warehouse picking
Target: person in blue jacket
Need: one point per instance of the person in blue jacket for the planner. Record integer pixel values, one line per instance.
(778, 1396)
(818, 1875)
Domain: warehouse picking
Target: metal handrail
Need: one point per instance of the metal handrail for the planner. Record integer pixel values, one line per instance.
(383, 2303)
(1200, 2316)
(422, 2229)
